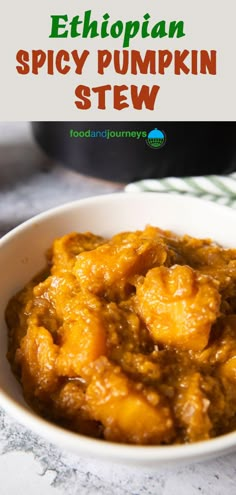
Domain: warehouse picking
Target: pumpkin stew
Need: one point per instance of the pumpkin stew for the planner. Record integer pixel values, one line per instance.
(130, 339)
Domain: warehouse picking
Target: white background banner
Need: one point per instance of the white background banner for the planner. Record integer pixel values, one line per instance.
(209, 25)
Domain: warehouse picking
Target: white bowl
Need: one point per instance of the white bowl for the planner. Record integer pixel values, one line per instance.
(22, 256)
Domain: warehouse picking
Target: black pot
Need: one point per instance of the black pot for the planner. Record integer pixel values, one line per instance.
(191, 148)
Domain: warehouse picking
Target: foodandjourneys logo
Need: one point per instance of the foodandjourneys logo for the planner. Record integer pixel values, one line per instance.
(155, 138)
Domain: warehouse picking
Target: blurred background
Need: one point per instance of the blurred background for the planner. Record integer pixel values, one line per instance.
(42, 166)
(31, 181)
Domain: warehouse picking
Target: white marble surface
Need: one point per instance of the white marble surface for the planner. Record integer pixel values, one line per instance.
(30, 183)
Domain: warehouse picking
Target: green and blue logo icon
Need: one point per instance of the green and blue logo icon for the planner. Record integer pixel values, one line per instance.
(156, 139)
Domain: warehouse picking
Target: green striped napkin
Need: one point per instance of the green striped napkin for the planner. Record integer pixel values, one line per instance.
(218, 188)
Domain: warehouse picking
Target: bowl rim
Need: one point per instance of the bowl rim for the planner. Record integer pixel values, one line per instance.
(118, 195)
(72, 441)
(96, 447)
